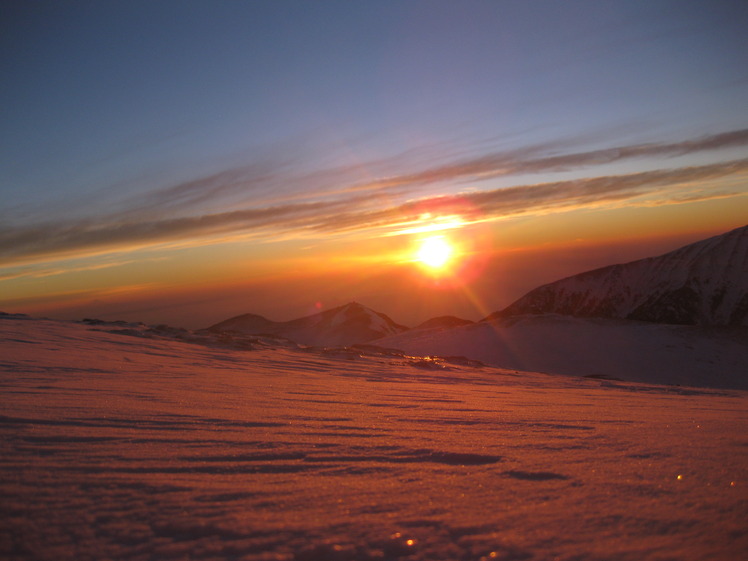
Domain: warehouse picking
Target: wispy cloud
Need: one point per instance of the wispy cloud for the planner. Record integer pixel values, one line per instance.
(272, 181)
(336, 204)
(530, 160)
(560, 195)
(21, 272)
(67, 237)
(354, 213)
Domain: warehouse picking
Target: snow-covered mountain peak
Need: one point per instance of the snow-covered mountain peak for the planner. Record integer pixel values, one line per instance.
(345, 325)
(354, 311)
(704, 283)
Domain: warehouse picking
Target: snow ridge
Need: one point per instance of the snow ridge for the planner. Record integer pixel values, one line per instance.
(704, 283)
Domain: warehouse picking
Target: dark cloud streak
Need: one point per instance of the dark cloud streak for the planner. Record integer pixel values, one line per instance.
(526, 161)
(271, 181)
(356, 212)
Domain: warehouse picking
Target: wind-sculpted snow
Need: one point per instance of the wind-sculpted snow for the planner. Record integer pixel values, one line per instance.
(120, 441)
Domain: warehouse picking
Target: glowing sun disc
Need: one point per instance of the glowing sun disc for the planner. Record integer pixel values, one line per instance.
(434, 252)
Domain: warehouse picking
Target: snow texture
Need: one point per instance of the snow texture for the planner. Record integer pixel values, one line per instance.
(705, 283)
(122, 441)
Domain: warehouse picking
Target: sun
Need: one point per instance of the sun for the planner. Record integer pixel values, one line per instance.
(434, 253)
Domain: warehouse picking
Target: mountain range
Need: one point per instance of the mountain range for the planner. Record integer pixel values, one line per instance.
(342, 326)
(704, 283)
(679, 318)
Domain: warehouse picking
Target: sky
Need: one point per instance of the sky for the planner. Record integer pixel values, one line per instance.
(187, 161)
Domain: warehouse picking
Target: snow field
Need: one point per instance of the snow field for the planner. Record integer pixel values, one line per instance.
(122, 447)
(683, 355)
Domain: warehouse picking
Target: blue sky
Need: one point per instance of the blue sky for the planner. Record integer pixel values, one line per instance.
(149, 122)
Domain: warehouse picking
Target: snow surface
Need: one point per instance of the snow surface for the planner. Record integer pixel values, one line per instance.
(126, 442)
(633, 351)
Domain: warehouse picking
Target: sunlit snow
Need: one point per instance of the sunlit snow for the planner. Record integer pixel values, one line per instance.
(123, 442)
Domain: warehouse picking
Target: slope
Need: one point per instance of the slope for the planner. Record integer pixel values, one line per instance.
(623, 349)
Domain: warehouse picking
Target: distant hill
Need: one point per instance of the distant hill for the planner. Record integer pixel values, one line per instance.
(345, 325)
(704, 283)
(442, 322)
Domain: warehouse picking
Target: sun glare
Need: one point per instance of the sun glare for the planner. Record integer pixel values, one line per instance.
(434, 252)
